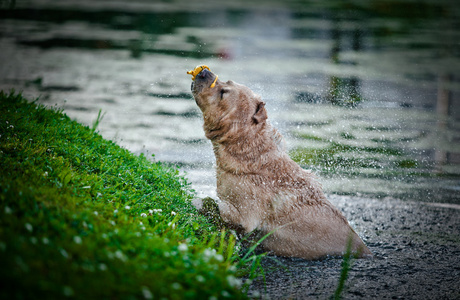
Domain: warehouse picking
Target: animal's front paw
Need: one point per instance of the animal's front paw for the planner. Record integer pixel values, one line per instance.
(210, 210)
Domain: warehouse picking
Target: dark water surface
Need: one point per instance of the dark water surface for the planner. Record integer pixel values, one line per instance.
(366, 93)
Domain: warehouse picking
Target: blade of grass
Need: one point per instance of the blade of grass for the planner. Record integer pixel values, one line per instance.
(98, 120)
(346, 266)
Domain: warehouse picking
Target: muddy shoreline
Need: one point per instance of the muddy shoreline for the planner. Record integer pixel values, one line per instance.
(416, 247)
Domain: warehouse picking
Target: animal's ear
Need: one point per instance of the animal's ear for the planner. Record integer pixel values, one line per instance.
(260, 114)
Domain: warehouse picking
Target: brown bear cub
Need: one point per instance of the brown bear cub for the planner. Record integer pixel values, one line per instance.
(260, 187)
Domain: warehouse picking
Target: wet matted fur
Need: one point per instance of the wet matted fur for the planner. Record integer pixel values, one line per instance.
(260, 188)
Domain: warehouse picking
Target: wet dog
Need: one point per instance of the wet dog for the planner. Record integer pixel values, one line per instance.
(261, 189)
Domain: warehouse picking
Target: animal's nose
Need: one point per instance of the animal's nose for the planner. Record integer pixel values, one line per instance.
(203, 74)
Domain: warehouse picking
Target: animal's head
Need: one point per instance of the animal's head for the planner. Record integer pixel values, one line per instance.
(226, 105)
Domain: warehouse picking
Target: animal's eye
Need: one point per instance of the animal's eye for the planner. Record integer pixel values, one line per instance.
(222, 92)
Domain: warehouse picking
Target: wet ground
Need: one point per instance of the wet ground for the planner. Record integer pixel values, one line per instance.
(366, 95)
(416, 248)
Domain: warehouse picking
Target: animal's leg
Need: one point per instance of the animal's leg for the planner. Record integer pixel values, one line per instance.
(210, 209)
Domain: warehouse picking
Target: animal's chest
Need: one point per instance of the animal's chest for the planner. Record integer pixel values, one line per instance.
(239, 188)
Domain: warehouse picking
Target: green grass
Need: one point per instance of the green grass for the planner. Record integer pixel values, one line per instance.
(346, 267)
(81, 217)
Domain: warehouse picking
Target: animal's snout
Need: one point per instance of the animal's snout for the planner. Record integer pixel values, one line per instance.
(203, 74)
(206, 78)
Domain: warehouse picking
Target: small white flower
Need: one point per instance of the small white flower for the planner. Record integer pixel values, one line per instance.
(200, 278)
(219, 257)
(77, 239)
(45, 241)
(112, 222)
(29, 227)
(115, 211)
(143, 215)
(140, 223)
(146, 293)
(127, 207)
(176, 286)
(8, 210)
(102, 267)
(120, 255)
(233, 281)
(64, 253)
(225, 294)
(209, 252)
(173, 213)
(182, 247)
(96, 213)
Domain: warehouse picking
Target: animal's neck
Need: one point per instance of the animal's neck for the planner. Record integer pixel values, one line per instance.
(248, 152)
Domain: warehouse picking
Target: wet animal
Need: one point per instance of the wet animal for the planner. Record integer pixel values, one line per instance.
(260, 188)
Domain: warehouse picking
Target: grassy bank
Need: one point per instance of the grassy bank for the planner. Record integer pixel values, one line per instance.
(81, 217)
